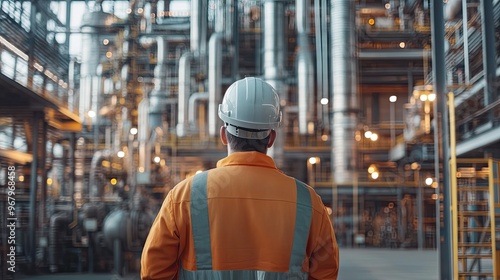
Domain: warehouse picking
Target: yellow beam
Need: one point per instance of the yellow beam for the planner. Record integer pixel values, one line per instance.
(65, 125)
(63, 120)
(453, 175)
(16, 156)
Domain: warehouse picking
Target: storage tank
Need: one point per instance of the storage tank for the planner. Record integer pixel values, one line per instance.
(97, 27)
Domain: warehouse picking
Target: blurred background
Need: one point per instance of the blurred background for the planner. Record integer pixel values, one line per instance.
(106, 105)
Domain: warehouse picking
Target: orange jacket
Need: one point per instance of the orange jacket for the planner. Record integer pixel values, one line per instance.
(251, 208)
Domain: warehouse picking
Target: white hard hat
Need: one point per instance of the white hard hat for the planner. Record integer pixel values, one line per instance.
(250, 109)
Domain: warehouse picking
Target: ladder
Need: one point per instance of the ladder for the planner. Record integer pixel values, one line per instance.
(476, 208)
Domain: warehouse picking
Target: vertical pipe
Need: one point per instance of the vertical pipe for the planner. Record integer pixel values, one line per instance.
(274, 50)
(158, 96)
(43, 192)
(465, 34)
(235, 39)
(305, 75)
(184, 92)
(68, 25)
(215, 66)
(198, 35)
(344, 90)
(420, 215)
(325, 63)
(439, 78)
(117, 256)
(489, 56)
(214, 81)
(72, 174)
(319, 54)
(33, 192)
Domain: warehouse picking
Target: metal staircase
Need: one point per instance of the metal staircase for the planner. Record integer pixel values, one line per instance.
(476, 208)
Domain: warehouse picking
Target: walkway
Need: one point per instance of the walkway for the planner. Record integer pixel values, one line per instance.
(355, 264)
(388, 264)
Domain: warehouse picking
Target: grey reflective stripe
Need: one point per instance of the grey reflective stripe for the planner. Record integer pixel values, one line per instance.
(200, 222)
(240, 275)
(302, 225)
(201, 236)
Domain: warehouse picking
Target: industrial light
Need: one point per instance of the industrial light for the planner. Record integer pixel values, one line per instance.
(402, 45)
(423, 97)
(429, 181)
(375, 175)
(368, 134)
(313, 160)
(157, 159)
(133, 131)
(113, 181)
(431, 97)
(374, 137)
(91, 114)
(324, 101)
(393, 98)
(372, 168)
(120, 154)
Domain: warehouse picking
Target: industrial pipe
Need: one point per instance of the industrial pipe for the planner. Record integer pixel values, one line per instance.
(57, 222)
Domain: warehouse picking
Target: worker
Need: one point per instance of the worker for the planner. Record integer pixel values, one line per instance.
(244, 219)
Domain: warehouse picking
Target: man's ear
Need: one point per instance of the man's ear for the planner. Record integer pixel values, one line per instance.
(272, 137)
(222, 133)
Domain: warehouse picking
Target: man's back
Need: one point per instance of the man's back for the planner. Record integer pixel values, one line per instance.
(254, 220)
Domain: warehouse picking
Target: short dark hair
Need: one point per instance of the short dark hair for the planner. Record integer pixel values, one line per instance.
(239, 144)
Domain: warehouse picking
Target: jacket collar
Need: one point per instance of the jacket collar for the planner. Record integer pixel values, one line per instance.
(247, 158)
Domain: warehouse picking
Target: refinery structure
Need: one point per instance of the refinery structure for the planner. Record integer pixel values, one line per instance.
(106, 105)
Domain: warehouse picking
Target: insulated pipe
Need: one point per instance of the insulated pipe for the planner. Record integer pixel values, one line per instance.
(305, 75)
(144, 149)
(199, 22)
(215, 69)
(158, 96)
(56, 223)
(94, 190)
(115, 235)
(274, 60)
(193, 99)
(344, 120)
(274, 43)
(214, 82)
(184, 91)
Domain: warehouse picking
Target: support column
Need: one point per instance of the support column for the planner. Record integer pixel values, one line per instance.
(442, 134)
(43, 185)
(33, 192)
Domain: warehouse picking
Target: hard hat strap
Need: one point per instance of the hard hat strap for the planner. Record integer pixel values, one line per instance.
(246, 132)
